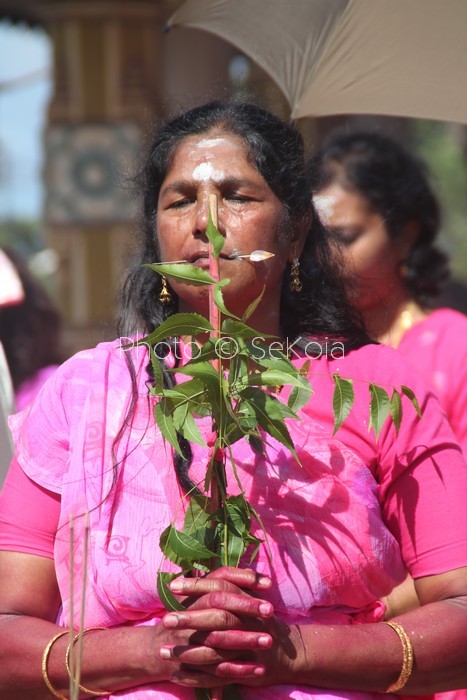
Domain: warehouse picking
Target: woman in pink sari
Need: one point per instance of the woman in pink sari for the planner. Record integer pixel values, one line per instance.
(376, 200)
(308, 620)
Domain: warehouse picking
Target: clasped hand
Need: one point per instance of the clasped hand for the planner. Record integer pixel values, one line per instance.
(227, 634)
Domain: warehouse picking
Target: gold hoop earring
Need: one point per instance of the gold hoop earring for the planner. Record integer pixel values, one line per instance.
(295, 281)
(164, 295)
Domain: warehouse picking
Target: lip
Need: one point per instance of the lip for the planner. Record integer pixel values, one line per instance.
(197, 256)
(201, 257)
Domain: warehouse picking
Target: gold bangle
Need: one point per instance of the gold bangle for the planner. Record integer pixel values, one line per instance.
(45, 660)
(96, 693)
(407, 657)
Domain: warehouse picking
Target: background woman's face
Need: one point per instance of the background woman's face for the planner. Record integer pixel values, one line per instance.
(250, 216)
(371, 257)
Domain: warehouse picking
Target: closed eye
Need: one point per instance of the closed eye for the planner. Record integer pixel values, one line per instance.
(180, 203)
(238, 198)
(346, 236)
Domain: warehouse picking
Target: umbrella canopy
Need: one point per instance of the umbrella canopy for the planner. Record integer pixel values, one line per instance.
(393, 57)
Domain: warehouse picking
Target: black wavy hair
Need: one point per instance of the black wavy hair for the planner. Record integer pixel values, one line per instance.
(275, 148)
(395, 183)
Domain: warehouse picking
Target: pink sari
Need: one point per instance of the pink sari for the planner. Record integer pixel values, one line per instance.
(332, 557)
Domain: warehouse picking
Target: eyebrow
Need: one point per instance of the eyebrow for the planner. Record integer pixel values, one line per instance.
(229, 183)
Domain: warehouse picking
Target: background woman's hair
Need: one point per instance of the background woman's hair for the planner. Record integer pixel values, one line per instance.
(30, 331)
(395, 182)
(276, 150)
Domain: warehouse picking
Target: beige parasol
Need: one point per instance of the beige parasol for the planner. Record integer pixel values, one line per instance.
(394, 57)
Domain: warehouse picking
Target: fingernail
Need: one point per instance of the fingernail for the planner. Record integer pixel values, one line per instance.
(264, 581)
(265, 608)
(264, 641)
(259, 671)
(171, 620)
(176, 585)
(165, 653)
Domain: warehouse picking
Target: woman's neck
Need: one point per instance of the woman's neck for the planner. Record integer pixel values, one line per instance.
(388, 324)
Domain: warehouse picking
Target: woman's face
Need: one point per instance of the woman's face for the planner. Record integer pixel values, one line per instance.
(250, 216)
(370, 255)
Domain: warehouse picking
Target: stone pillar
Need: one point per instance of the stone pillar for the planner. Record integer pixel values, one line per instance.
(107, 63)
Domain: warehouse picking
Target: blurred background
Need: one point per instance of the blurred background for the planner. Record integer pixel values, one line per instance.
(82, 83)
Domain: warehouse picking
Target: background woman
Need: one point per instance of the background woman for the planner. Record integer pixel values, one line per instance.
(342, 527)
(375, 198)
(30, 334)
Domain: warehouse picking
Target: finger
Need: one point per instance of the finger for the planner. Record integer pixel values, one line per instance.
(221, 602)
(195, 655)
(208, 620)
(221, 674)
(233, 639)
(237, 670)
(243, 578)
(196, 587)
(235, 602)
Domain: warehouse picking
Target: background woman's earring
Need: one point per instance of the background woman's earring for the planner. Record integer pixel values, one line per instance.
(295, 282)
(403, 271)
(165, 295)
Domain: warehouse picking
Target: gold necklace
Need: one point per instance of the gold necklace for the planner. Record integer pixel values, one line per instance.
(407, 316)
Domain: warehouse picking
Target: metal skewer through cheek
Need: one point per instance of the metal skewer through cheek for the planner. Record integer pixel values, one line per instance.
(254, 256)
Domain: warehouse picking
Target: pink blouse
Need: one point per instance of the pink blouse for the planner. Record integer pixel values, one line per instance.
(437, 347)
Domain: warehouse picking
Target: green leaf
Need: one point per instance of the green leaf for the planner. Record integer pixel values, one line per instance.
(164, 420)
(186, 272)
(203, 371)
(219, 299)
(238, 374)
(157, 370)
(165, 594)
(239, 513)
(184, 549)
(270, 413)
(178, 324)
(190, 430)
(215, 237)
(299, 397)
(252, 307)
(396, 410)
(242, 423)
(273, 377)
(235, 548)
(198, 515)
(411, 396)
(232, 327)
(278, 361)
(187, 547)
(379, 408)
(191, 390)
(342, 400)
(206, 352)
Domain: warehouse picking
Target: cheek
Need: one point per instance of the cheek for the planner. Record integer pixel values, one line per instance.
(168, 235)
(259, 230)
(372, 260)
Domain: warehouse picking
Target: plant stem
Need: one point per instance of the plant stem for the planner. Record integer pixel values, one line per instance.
(215, 320)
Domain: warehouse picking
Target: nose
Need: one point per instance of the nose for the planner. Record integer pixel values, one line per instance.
(206, 204)
(201, 218)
